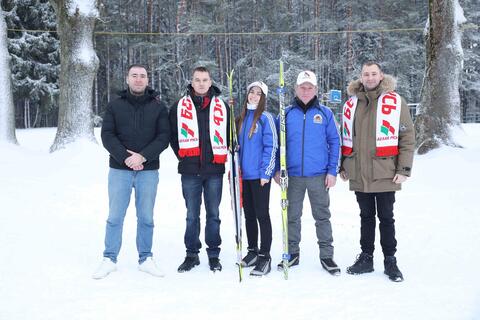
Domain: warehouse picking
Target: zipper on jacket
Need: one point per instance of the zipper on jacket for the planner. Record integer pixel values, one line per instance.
(303, 139)
(204, 133)
(135, 117)
(243, 133)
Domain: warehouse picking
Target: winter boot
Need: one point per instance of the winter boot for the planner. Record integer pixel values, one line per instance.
(189, 263)
(363, 264)
(149, 266)
(104, 269)
(293, 261)
(214, 264)
(391, 269)
(251, 258)
(263, 266)
(330, 265)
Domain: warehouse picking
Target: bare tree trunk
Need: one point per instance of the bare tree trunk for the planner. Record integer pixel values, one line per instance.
(78, 65)
(37, 113)
(439, 110)
(26, 113)
(218, 53)
(25, 122)
(7, 110)
(349, 41)
(96, 96)
(318, 69)
(108, 69)
(150, 60)
(180, 43)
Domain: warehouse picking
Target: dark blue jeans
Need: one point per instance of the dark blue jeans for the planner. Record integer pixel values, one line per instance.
(192, 187)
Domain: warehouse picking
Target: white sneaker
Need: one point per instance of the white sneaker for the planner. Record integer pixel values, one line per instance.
(104, 269)
(150, 267)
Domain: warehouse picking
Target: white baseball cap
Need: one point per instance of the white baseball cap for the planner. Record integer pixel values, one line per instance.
(259, 84)
(307, 76)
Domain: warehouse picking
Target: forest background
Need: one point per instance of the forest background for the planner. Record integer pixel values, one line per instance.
(331, 37)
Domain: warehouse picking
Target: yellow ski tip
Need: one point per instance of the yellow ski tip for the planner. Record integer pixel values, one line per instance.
(281, 81)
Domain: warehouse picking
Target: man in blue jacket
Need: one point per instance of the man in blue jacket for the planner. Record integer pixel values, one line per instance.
(313, 146)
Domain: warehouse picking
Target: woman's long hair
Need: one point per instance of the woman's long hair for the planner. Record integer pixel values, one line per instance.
(256, 115)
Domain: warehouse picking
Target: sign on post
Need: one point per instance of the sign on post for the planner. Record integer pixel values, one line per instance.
(335, 96)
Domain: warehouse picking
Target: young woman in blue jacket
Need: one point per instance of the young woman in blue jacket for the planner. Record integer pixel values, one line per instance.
(258, 148)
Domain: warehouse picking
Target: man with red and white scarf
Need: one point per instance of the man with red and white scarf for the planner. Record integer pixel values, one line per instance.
(378, 142)
(199, 137)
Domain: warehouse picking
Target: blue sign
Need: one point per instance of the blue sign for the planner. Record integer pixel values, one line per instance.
(335, 96)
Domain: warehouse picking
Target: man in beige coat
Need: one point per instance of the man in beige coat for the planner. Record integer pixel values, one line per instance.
(378, 142)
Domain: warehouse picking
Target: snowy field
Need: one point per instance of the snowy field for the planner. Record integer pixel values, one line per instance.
(52, 221)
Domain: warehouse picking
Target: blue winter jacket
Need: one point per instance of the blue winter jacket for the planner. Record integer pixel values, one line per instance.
(313, 142)
(258, 153)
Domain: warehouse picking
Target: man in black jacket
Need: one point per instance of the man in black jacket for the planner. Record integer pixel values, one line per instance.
(135, 131)
(199, 126)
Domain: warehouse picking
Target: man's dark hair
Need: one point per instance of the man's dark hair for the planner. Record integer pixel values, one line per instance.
(201, 69)
(136, 65)
(372, 63)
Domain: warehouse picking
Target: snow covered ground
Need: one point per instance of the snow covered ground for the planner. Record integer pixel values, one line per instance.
(52, 221)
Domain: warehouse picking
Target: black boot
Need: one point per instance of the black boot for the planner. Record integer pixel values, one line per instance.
(363, 264)
(251, 258)
(293, 261)
(391, 269)
(263, 266)
(214, 264)
(189, 263)
(330, 265)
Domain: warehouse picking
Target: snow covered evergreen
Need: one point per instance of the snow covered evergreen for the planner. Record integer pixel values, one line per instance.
(35, 60)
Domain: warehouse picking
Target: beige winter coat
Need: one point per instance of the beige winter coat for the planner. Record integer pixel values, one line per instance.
(366, 171)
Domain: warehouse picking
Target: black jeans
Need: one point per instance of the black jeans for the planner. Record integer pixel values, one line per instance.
(383, 201)
(256, 207)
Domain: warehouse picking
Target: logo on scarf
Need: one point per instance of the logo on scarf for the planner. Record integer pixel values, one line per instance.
(386, 127)
(345, 130)
(217, 138)
(186, 130)
(217, 113)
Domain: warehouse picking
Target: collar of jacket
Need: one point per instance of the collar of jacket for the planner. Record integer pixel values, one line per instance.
(311, 104)
(149, 93)
(389, 83)
(198, 100)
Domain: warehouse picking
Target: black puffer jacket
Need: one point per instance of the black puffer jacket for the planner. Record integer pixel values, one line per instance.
(199, 165)
(136, 123)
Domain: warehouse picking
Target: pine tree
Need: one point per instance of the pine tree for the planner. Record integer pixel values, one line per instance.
(35, 60)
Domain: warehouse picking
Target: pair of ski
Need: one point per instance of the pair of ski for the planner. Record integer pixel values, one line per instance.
(235, 176)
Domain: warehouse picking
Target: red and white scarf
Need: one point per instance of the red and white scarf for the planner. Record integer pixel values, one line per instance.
(188, 134)
(388, 121)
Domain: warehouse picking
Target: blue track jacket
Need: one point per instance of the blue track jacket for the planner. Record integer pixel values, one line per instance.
(258, 153)
(313, 142)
